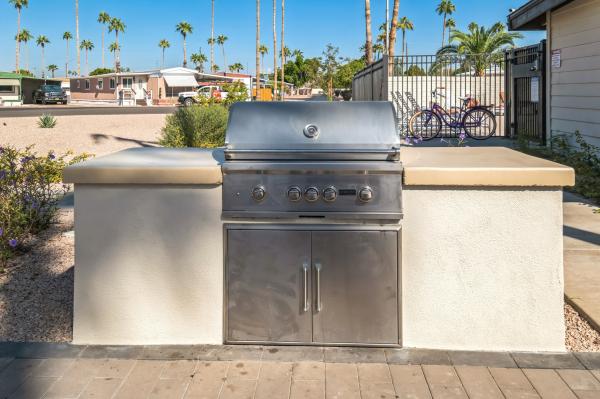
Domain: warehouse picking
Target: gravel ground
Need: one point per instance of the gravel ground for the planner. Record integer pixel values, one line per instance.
(95, 134)
(36, 294)
(36, 291)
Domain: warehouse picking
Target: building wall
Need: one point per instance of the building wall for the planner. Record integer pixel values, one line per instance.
(575, 87)
(79, 92)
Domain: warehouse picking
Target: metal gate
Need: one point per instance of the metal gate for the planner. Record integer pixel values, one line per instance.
(526, 92)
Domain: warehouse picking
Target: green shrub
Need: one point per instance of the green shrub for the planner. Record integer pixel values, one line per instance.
(46, 121)
(30, 188)
(584, 158)
(196, 126)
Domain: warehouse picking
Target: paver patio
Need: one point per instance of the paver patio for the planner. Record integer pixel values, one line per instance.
(68, 371)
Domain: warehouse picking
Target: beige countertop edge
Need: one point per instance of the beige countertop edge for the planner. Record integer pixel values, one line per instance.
(205, 175)
(489, 176)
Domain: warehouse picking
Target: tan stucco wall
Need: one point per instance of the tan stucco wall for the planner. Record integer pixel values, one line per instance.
(148, 265)
(482, 269)
(574, 29)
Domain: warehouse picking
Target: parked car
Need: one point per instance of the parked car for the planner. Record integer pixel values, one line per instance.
(189, 98)
(49, 94)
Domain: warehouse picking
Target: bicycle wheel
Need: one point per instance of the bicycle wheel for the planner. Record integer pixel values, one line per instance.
(479, 123)
(425, 125)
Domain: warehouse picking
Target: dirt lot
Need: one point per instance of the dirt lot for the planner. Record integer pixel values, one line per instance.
(95, 134)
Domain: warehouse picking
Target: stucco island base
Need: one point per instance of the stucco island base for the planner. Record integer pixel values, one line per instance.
(482, 265)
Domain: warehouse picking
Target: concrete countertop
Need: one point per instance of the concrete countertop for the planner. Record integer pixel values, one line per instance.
(150, 165)
(480, 166)
(447, 166)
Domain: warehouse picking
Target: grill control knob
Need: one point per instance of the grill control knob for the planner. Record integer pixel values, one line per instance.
(330, 194)
(365, 194)
(294, 194)
(311, 194)
(259, 193)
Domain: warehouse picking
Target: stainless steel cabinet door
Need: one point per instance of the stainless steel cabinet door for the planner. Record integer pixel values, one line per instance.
(355, 277)
(268, 284)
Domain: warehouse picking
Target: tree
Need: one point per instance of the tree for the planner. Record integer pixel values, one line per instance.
(237, 67)
(345, 73)
(114, 48)
(77, 38)
(392, 42)
(211, 41)
(184, 28)
(199, 59)
(329, 67)
(479, 47)
(450, 24)
(18, 4)
(52, 68)
(263, 50)
(42, 41)
(283, 53)
(369, 38)
(378, 48)
(257, 54)
(101, 71)
(274, 47)
(445, 8)
(66, 37)
(116, 25)
(404, 25)
(164, 44)
(24, 37)
(221, 39)
(103, 18)
(88, 46)
(297, 53)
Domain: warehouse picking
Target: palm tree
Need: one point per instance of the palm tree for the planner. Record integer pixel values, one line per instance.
(114, 48)
(211, 41)
(391, 50)
(274, 47)
(257, 55)
(24, 37)
(450, 24)
(77, 37)
(480, 47)
(66, 37)
(199, 59)
(221, 39)
(86, 45)
(42, 41)
(263, 50)
(52, 68)
(369, 39)
(237, 67)
(445, 8)
(378, 48)
(283, 53)
(404, 25)
(297, 54)
(185, 29)
(117, 26)
(103, 18)
(18, 4)
(164, 44)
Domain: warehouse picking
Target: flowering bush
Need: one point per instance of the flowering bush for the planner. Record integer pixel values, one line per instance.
(30, 188)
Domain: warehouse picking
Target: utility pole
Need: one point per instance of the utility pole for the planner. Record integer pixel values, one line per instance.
(387, 24)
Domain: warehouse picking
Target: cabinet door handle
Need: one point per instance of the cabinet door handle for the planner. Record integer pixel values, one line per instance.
(305, 268)
(318, 268)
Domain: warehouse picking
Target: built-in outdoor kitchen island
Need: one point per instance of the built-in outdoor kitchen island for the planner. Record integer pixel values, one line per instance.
(191, 246)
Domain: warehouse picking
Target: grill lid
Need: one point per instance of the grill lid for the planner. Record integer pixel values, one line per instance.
(312, 130)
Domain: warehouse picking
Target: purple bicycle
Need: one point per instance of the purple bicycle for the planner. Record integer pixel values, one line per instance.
(477, 121)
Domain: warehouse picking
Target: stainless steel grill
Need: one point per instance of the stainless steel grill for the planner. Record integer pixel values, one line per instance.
(312, 204)
(312, 159)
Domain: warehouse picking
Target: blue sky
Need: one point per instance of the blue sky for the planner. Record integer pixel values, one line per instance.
(310, 25)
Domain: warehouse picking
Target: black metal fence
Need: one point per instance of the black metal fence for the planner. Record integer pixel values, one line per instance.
(454, 82)
(526, 92)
